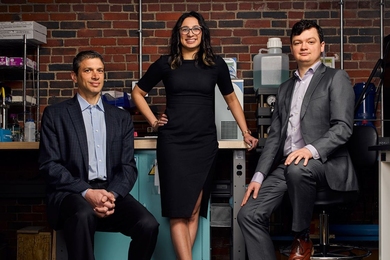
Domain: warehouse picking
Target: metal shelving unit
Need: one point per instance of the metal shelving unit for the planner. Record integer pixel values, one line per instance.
(13, 73)
(265, 99)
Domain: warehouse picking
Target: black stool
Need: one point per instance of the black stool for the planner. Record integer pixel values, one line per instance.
(326, 250)
(361, 139)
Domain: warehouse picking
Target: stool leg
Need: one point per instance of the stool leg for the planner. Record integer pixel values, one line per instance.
(324, 233)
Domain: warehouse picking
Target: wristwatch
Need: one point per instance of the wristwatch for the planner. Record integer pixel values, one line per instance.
(246, 132)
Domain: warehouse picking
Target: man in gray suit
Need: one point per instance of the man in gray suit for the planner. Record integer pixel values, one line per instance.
(305, 149)
(87, 154)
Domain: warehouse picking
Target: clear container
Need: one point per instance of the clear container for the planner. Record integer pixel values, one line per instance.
(15, 128)
(29, 131)
(270, 66)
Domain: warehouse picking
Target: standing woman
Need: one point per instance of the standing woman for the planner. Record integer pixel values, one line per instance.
(187, 140)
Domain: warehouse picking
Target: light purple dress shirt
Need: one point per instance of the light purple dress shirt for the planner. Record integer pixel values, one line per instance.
(95, 127)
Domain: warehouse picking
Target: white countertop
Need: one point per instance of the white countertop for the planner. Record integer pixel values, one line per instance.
(150, 143)
(139, 143)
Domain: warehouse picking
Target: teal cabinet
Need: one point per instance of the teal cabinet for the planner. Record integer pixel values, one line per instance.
(115, 245)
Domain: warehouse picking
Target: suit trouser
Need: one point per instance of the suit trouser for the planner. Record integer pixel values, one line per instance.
(301, 183)
(130, 218)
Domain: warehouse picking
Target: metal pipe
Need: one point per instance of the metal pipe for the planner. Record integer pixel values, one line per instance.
(140, 38)
(4, 125)
(24, 78)
(341, 34)
(38, 116)
(382, 4)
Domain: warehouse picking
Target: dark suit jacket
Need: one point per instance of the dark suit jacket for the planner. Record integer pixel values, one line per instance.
(64, 152)
(326, 123)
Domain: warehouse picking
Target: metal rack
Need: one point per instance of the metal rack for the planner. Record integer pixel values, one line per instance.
(264, 97)
(26, 45)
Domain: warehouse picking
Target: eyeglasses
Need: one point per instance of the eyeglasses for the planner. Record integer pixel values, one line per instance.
(186, 30)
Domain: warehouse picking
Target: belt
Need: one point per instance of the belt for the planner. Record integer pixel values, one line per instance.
(96, 181)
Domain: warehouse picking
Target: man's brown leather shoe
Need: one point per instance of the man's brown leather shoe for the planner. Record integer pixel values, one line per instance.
(301, 249)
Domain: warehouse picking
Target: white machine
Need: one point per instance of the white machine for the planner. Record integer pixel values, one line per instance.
(227, 128)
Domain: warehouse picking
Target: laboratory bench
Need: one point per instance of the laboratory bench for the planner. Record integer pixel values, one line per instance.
(147, 193)
(23, 156)
(19, 145)
(139, 143)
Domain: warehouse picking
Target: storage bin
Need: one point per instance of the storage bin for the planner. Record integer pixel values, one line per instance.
(220, 215)
(117, 98)
(33, 243)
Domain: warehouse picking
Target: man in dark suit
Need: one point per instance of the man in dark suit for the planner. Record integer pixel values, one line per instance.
(305, 149)
(87, 154)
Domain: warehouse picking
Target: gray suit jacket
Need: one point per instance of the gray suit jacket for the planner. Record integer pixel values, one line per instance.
(64, 159)
(326, 123)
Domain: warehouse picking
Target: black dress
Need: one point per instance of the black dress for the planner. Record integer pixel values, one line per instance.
(187, 145)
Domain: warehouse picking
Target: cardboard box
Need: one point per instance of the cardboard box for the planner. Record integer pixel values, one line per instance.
(18, 62)
(29, 99)
(23, 25)
(4, 61)
(31, 35)
(33, 243)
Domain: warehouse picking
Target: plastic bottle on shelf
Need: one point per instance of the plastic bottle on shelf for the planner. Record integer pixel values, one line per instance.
(270, 66)
(29, 131)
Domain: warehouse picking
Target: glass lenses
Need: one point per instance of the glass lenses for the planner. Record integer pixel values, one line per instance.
(195, 30)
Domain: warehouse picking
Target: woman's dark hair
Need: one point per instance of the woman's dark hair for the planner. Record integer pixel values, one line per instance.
(205, 54)
(303, 25)
(82, 56)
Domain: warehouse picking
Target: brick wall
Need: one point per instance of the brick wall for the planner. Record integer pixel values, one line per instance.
(239, 29)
